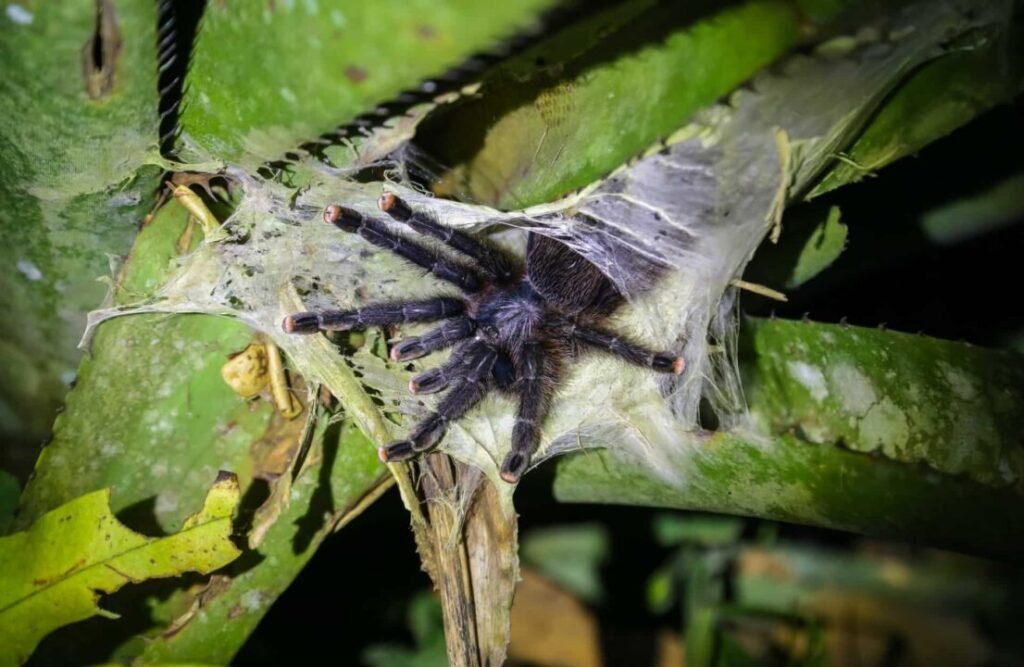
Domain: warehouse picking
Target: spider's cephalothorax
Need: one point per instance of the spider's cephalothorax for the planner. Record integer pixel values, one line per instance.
(512, 333)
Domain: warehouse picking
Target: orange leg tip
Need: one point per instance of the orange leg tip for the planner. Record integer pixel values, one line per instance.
(332, 213)
(386, 202)
(678, 365)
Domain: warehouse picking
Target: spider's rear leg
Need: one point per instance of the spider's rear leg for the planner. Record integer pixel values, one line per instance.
(664, 362)
(475, 366)
(377, 314)
(444, 336)
(379, 235)
(535, 379)
(492, 261)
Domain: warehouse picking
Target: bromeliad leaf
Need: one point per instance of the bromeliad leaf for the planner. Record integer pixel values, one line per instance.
(53, 573)
(823, 248)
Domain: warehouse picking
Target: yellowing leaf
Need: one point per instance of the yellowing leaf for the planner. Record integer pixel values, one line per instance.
(54, 573)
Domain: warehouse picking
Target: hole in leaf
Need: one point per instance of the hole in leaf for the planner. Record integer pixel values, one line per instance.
(101, 52)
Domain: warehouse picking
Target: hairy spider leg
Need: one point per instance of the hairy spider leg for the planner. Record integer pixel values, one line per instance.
(437, 379)
(444, 336)
(631, 352)
(476, 367)
(533, 385)
(495, 263)
(377, 314)
(379, 235)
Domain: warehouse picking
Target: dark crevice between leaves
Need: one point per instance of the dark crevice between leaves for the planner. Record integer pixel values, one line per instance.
(321, 503)
(469, 70)
(177, 25)
(101, 52)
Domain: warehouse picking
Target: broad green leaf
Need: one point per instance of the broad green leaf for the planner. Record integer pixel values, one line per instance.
(151, 415)
(265, 77)
(854, 417)
(821, 249)
(629, 75)
(211, 626)
(942, 96)
(73, 189)
(54, 572)
(952, 407)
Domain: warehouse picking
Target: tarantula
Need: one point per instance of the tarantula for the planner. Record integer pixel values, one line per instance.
(515, 333)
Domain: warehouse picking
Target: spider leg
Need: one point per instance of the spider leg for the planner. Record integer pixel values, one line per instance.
(635, 354)
(533, 383)
(376, 314)
(376, 233)
(493, 262)
(475, 366)
(444, 336)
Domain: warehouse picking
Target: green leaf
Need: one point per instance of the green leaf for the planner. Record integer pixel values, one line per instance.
(73, 190)
(936, 100)
(949, 406)
(54, 572)
(211, 626)
(630, 75)
(822, 248)
(570, 556)
(868, 431)
(674, 529)
(985, 212)
(265, 77)
(151, 416)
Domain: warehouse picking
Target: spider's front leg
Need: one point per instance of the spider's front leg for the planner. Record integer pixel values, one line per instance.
(349, 220)
(471, 373)
(376, 314)
(492, 261)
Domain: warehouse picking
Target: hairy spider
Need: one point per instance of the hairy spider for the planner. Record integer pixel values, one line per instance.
(514, 333)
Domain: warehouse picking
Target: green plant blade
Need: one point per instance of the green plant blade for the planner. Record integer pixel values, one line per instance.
(266, 77)
(942, 96)
(73, 189)
(906, 477)
(821, 249)
(951, 407)
(151, 416)
(211, 626)
(54, 572)
(630, 75)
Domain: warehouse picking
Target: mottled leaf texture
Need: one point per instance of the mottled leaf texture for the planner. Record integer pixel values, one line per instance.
(73, 144)
(866, 430)
(53, 573)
